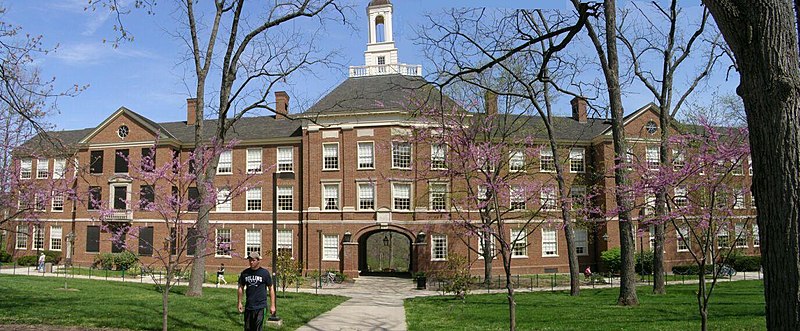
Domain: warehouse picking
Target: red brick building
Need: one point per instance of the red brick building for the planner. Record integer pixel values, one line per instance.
(350, 188)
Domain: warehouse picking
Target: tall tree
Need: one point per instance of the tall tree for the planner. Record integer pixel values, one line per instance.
(656, 52)
(763, 36)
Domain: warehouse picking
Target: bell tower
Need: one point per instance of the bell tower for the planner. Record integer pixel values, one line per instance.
(380, 58)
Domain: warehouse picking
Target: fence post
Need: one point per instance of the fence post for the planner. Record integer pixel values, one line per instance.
(553, 283)
(531, 279)
(14, 271)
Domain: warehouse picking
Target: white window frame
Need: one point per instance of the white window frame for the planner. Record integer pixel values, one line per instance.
(577, 160)
(681, 197)
(326, 194)
(581, 241)
(649, 203)
(547, 162)
(42, 168)
(516, 196)
(548, 198)
(38, 238)
(738, 200)
(438, 157)
(756, 238)
(57, 202)
(225, 164)
(440, 189)
(678, 160)
(740, 241)
(56, 232)
(395, 196)
(722, 232)
(252, 241)
(284, 192)
(549, 242)
(366, 190)
(737, 168)
(330, 153)
(750, 165)
(577, 193)
(59, 168)
(285, 157)
(224, 201)
(397, 154)
(254, 195)
(492, 245)
(330, 247)
(253, 160)
(26, 168)
(516, 161)
(683, 244)
(219, 239)
(439, 249)
(366, 155)
(22, 237)
(519, 243)
(285, 240)
(653, 157)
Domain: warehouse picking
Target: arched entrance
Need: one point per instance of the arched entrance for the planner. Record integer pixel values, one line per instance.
(384, 252)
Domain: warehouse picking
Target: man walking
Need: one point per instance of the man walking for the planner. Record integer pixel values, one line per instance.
(255, 281)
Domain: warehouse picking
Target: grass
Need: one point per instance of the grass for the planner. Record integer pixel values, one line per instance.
(734, 306)
(134, 306)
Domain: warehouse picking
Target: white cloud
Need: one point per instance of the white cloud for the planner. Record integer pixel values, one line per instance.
(95, 53)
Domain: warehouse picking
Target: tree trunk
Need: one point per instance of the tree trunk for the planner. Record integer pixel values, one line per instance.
(488, 256)
(165, 306)
(512, 303)
(763, 37)
(702, 301)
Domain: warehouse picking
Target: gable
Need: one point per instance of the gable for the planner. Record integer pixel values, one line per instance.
(139, 129)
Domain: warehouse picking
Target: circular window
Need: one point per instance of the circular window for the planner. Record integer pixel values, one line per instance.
(651, 127)
(123, 131)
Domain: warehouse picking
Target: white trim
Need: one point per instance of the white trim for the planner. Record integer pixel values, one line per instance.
(433, 247)
(338, 157)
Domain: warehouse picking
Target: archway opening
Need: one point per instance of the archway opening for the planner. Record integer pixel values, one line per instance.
(384, 253)
(380, 35)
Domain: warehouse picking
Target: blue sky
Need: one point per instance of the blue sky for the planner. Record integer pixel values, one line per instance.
(149, 77)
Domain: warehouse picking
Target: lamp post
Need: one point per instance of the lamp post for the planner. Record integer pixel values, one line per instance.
(284, 175)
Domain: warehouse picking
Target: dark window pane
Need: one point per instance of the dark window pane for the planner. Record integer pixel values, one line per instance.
(194, 196)
(191, 241)
(120, 197)
(173, 242)
(146, 241)
(147, 195)
(96, 162)
(148, 159)
(118, 246)
(121, 161)
(95, 193)
(92, 239)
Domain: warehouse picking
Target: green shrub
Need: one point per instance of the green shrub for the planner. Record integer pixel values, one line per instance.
(455, 276)
(744, 263)
(5, 257)
(125, 260)
(690, 269)
(28, 260)
(103, 261)
(289, 270)
(53, 257)
(644, 263)
(612, 259)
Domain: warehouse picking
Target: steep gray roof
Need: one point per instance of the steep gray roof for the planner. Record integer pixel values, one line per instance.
(378, 93)
(378, 3)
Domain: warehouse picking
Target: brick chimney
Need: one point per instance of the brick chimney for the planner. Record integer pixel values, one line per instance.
(490, 102)
(579, 109)
(191, 111)
(281, 105)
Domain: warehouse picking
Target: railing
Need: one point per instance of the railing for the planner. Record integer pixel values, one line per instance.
(120, 215)
(386, 69)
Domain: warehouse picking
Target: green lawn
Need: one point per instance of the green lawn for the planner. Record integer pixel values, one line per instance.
(94, 303)
(734, 306)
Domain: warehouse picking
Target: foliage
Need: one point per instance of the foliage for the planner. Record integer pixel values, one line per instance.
(115, 261)
(27, 260)
(103, 261)
(5, 257)
(455, 276)
(744, 262)
(128, 305)
(289, 271)
(689, 269)
(644, 263)
(612, 259)
(53, 257)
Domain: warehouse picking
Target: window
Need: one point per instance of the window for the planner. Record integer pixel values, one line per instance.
(678, 160)
(723, 240)
(683, 239)
(366, 155)
(738, 203)
(330, 247)
(381, 60)
(438, 157)
(741, 236)
(252, 241)
(438, 247)
(118, 246)
(285, 242)
(285, 159)
(95, 194)
(330, 156)
(577, 194)
(285, 198)
(516, 196)
(548, 198)
(366, 196)
(59, 167)
(549, 242)
(38, 202)
(519, 243)
(225, 164)
(401, 155)
(55, 237)
(121, 161)
(193, 203)
(581, 241)
(481, 243)
(577, 161)
(254, 160)
(58, 201)
(42, 168)
(681, 197)
(752, 200)
(750, 165)
(401, 196)
(147, 196)
(649, 203)
(628, 157)
(254, 199)
(120, 197)
(96, 162)
(223, 242)
(191, 241)
(25, 168)
(148, 162)
(738, 168)
(516, 161)
(652, 234)
(224, 200)
(330, 196)
(546, 161)
(22, 237)
(146, 241)
(92, 239)
(653, 158)
(756, 238)
(438, 196)
(483, 193)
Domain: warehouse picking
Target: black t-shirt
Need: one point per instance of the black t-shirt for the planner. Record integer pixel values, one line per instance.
(256, 283)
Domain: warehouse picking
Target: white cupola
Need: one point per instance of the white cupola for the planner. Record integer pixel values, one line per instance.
(380, 58)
